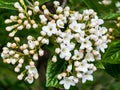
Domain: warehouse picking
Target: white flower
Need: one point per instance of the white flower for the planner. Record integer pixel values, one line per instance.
(87, 76)
(89, 56)
(66, 37)
(65, 51)
(78, 55)
(59, 9)
(83, 66)
(32, 71)
(29, 79)
(31, 44)
(60, 23)
(86, 43)
(68, 81)
(102, 47)
(50, 28)
(43, 19)
(96, 22)
(75, 26)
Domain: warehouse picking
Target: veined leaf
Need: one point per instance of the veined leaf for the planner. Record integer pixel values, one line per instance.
(53, 69)
(99, 65)
(112, 54)
(7, 4)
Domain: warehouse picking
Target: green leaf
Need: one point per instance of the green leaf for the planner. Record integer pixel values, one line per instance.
(99, 65)
(112, 54)
(113, 70)
(53, 69)
(112, 16)
(7, 4)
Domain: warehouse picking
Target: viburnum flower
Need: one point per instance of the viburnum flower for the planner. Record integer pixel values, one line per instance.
(50, 28)
(67, 82)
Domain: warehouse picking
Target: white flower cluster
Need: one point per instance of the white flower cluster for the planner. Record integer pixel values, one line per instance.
(17, 54)
(79, 40)
(24, 18)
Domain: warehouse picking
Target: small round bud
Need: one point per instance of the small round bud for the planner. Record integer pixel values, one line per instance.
(17, 69)
(46, 11)
(19, 65)
(9, 44)
(43, 33)
(26, 52)
(35, 57)
(29, 38)
(36, 3)
(16, 56)
(32, 63)
(36, 9)
(77, 63)
(76, 80)
(20, 77)
(59, 77)
(20, 27)
(69, 68)
(39, 38)
(11, 52)
(59, 9)
(21, 15)
(32, 21)
(19, 21)
(29, 12)
(54, 59)
(17, 39)
(45, 41)
(21, 61)
(79, 75)
(43, 7)
(41, 52)
(13, 45)
(64, 74)
(32, 52)
(56, 3)
(57, 50)
(35, 26)
(28, 26)
(17, 5)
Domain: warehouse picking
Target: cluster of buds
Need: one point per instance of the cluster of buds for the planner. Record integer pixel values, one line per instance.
(118, 22)
(78, 38)
(17, 54)
(24, 20)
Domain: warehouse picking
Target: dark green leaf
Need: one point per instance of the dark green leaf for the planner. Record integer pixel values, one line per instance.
(7, 4)
(113, 70)
(53, 69)
(112, 54)
(99, 65)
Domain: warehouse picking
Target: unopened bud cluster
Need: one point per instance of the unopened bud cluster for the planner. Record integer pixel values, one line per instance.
(78, 39)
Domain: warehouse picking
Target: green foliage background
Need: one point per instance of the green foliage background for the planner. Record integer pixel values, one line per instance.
(108, 74)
